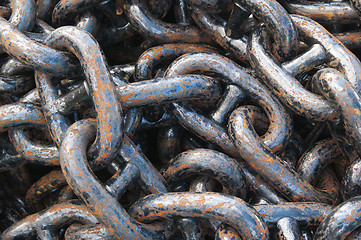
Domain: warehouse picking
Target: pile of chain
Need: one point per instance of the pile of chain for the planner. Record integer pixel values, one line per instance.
(183, 119)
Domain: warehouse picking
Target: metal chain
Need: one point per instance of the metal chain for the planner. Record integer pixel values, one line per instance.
(184, 119)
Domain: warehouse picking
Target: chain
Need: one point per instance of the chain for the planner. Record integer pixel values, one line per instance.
(184, 119)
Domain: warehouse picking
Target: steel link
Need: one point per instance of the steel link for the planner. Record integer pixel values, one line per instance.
(184, 119)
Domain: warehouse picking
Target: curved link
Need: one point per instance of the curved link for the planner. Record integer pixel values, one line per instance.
(339, 56)
(278, 22)
(84, 184)
(341, 221)
(339, 91)
(316, 159)
(28, 149)
(267, 164)
(23, 14)
(156, 55)
(180, 115)
(228, 209)
(102, 90)
(159, 31)
(211, 163)
(279, 130)
(286, 87)
(34, 54)
(53, 218)
(32, 151)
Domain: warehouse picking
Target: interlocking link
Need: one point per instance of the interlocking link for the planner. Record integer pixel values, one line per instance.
(180, 119)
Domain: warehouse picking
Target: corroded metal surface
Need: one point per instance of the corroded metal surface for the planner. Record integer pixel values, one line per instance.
(184, 119)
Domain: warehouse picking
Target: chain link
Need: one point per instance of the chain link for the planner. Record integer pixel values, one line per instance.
(184, 119)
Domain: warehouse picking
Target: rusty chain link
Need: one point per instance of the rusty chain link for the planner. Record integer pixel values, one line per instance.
(184, 119)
